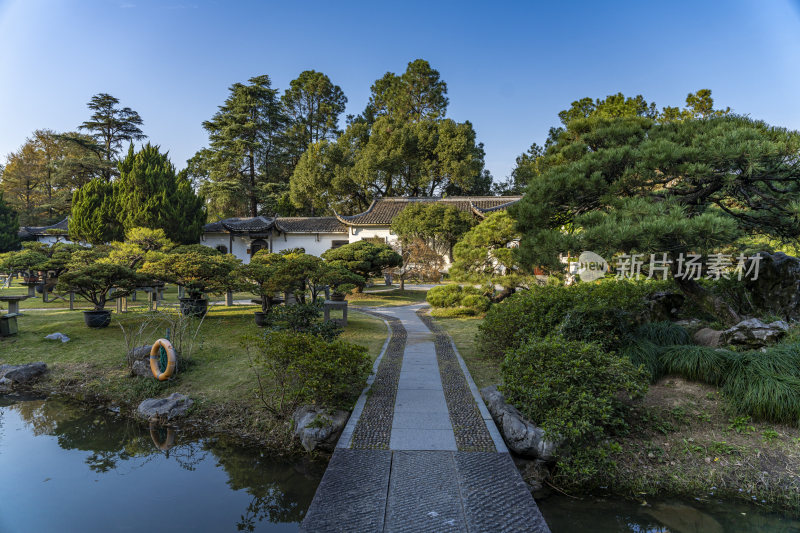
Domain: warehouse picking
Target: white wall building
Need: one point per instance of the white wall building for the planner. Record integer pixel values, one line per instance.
(243, 237)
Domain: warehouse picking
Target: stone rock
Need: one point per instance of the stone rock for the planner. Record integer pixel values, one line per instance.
(520, 435)
(777, 288)
(663, 305)
(140, 353)
(22, 374)
(142, 368)
(173, 406)
(754, 333)
(5, 385)
(708, 337)
(317, 429)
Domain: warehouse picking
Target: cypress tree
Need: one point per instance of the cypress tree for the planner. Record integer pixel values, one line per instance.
(9, 227)
(149, 194)
(94, 216)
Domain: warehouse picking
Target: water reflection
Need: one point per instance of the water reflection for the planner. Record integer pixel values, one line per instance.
(565, 515)
(210, 484)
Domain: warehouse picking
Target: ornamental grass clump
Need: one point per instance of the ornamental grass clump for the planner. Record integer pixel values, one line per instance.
(469, 300)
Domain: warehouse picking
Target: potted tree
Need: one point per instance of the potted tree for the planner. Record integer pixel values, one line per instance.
(93, 282)
(197, 273)
(341, 281)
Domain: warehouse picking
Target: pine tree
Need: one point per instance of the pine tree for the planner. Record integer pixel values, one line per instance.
(9, 227)
(109, 127)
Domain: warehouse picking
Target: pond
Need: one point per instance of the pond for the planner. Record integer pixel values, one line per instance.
(568, 515)
(67, 468)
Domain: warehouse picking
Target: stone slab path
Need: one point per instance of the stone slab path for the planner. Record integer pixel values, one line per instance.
(420, 451)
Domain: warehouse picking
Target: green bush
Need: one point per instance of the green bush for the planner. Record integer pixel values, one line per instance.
(452, 296)
(609, 327)
(302, 318)
(452, 312)
(540, 312)
(300, 368)
(570, 388)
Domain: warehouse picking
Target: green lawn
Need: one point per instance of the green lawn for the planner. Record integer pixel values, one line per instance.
(219, 370)
(386, 298)
(484, 372)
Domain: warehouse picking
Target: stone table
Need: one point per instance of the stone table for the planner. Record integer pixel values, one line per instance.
(13, 303)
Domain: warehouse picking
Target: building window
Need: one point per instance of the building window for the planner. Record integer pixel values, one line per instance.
(222, 248)
(337, 244)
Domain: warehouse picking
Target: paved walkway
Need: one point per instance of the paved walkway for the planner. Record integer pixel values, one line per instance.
(420, 451)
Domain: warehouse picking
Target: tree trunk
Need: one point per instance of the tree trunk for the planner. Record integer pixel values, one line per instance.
(707, 301)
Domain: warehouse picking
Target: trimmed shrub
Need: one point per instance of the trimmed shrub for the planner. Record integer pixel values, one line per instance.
(540, 311)
(570, 388)
(452, 312)
(451, 296)
(301, 368)
(609, 327)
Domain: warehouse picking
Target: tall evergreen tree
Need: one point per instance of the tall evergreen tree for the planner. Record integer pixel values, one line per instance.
(110, 127)
(417, 94)
(9, 227)
(94, 216)
(313, 104)
(148, 194)
(246, 151)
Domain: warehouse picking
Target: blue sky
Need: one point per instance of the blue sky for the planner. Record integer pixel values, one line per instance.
(509, 66)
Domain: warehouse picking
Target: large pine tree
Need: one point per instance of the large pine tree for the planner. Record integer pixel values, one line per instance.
(94, 217)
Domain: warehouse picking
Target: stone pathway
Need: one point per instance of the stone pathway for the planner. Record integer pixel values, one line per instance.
(420, 451)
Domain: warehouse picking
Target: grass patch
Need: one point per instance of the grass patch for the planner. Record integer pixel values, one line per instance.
(387, 298)
(484, 371)
(94, 359)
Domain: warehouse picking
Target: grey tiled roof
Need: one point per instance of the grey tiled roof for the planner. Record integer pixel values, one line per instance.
(59, 228)
(310, 225)
(240, 225)
(383, 210)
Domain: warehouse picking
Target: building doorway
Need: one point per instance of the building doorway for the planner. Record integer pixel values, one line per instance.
(258, 244)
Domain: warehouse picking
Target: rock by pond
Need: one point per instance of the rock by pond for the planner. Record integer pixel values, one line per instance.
(15, 375)
(318, 429)
(520, 435)
(173, 406)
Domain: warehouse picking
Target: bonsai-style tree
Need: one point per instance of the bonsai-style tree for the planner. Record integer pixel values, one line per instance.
(302, 273)
(363, 258)
(140, 244)
(339, 279)
(486, 254)
(634, 185)
(92, 282)
(27, 261)
(197, 273)
(263, 276)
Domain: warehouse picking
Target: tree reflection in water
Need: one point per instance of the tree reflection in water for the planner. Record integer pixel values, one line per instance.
(281, 490)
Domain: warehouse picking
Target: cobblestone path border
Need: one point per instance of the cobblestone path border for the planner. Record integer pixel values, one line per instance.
(468, 425)
(374, 427)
